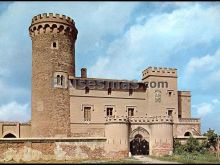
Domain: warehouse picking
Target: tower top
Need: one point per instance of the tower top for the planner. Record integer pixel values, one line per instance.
(159, 71)
(52, 23)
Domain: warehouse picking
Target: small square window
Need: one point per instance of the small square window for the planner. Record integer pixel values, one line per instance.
(130, 111)
(170, 112)
(170, 93)
(109, 111)
(54, 45)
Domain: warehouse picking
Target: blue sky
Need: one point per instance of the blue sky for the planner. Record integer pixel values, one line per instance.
(114, 36)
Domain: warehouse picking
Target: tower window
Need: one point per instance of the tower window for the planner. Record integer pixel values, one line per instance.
(109, 111)
(170, 93)
(54, 44)
(62, 79)
(58, 80)
(130, 111)
(87, 113)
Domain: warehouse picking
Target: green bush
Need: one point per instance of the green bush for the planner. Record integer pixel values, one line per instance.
(192, 146)
(195, 152)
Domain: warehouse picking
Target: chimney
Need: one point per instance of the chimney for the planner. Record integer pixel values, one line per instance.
(83, 73)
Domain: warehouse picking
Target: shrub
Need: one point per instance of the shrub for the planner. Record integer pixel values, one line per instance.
(192, 146)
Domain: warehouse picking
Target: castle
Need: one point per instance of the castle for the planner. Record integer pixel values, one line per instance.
(73, 117)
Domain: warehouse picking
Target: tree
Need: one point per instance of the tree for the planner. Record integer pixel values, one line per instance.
(192, 145)
(212, 138)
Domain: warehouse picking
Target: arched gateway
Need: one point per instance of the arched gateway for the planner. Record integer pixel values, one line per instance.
(139, 144)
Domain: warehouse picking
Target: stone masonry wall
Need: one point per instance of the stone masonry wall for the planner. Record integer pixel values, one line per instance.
(159, 149)
(55, 149)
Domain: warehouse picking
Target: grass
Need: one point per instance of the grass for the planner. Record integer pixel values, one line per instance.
(190, 158)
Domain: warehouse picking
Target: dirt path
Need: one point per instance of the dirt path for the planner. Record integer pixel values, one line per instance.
(148, 160)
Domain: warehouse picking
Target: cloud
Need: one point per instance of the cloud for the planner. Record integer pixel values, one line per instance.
(204, 63)
(205, 70)
(14, 111)
(158, 40)
(208, 111)
(205, 108)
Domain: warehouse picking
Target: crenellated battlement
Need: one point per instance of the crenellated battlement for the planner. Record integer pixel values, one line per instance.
(159, 71)
(52, 23)
(52, 17)
(136, 119)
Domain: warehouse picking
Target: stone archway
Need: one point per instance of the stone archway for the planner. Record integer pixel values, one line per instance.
(139, 143)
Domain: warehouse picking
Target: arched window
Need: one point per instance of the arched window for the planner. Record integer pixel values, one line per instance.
(9, 135)
(187, 134)
(58, 80)
(62, 79)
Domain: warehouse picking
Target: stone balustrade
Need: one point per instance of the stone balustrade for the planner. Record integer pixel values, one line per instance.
(139, 119)
(189, 120)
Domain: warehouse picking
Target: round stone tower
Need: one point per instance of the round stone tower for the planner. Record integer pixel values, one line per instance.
(53, 60)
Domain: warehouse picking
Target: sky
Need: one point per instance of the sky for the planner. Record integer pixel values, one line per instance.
(118, 36)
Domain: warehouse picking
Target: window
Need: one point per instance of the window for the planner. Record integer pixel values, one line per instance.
(58, 80)
(179, 116)
(170, 112)
(86, 90)
(54, 44)
(130, 111)
(170, 93)
(9, 135)
(187, 134)
(109, 91)
(130, 92)
(87, 113)
(62, 78)
(109, 111)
